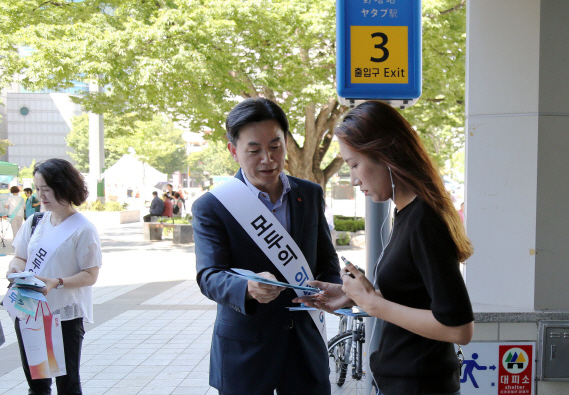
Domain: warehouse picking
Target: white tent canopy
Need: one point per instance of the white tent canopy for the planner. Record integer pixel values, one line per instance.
(131, 174)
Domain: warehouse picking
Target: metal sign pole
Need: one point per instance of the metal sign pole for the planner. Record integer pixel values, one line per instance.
(376, 213)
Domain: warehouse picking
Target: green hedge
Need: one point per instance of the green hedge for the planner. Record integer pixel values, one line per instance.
(343, 240)
(98, 206)
(348, 224)
(176, 220)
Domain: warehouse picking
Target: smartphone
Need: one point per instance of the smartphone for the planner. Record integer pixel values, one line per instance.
(346, 262)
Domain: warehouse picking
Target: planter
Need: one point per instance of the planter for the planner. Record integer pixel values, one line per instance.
(105, 219)
(152, 231)
(129, 216)
(183, 234)
(354, 239)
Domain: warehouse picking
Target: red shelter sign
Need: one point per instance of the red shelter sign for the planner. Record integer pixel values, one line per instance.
(515, 369)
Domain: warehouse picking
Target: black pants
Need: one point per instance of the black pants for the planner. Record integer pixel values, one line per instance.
(148, 217)
(70, 384)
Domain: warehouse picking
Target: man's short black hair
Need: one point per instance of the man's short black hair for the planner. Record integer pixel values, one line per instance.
(64, 179)
(28, 190)
(155, 193)
(253, 110)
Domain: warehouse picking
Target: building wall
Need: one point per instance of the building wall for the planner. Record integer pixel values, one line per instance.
(41, 133)
(502, 122)
(3, 123)
(4, 114)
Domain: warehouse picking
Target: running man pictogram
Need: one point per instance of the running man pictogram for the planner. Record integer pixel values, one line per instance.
(469, 365)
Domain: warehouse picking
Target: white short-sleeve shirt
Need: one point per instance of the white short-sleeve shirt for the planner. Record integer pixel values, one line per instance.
(13, 201)
(82, 250)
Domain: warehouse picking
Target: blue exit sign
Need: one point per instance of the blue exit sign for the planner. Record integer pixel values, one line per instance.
(378, 49)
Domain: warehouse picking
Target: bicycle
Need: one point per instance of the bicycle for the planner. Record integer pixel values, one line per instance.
(347, 360)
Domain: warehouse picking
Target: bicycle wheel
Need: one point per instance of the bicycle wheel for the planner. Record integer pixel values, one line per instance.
(340, 352)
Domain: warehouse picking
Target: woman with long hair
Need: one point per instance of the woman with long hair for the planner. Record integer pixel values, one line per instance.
(418, 290)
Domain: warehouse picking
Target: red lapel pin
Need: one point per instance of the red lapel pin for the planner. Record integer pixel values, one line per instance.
(299, 199)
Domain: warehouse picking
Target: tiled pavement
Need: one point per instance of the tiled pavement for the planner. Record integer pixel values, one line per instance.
(153, 327)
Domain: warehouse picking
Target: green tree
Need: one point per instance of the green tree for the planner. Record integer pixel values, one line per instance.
(439, 115)
(4, 144)
(28, 172)
(157, 142)
(194, 60)
(214, 160)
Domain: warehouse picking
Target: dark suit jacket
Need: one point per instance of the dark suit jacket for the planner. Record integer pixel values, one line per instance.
(157, 206)
(250, 339)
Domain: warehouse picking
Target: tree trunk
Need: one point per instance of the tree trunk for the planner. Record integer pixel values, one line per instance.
(305, 162)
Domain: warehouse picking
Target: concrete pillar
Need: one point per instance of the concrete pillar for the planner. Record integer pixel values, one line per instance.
(517, 157)
(96, 150)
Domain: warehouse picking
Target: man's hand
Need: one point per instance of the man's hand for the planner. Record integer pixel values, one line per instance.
(263, 293)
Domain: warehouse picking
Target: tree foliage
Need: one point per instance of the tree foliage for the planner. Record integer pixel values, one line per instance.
(156, 142)
(28, 172)
(439, 115)
(195, 59)
(4, 144)
(214, 160)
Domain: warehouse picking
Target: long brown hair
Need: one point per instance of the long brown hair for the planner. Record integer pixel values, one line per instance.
(378, 131)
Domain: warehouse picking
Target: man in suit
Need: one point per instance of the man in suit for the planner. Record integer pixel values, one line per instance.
(258, 344)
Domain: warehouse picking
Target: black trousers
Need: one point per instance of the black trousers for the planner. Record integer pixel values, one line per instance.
(70, 384)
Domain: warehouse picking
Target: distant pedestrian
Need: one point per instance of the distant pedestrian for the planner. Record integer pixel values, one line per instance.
(15, 206)
(170, 191)
(182, 196)
(461, 212)
(156, 207)
(168, 207)
(32, 203)
(177, 204)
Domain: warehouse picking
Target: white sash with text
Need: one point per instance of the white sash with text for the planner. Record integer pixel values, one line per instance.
(270, 236)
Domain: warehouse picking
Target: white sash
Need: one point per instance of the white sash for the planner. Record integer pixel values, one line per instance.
(44, 250)
(267, 232)
(15, 212)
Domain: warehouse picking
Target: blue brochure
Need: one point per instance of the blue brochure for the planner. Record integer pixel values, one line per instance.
(249, 275)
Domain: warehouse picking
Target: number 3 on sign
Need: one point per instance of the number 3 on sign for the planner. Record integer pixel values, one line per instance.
(379, 54)
(381, 46)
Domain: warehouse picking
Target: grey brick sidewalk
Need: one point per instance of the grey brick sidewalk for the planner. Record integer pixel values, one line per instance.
(153, 327)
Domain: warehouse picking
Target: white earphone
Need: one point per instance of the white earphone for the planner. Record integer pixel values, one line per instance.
(383, 247)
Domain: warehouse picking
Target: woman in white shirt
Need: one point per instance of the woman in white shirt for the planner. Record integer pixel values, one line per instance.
(70, 272)
(15, 205)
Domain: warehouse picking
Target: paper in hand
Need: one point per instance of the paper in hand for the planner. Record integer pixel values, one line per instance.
(249, 275)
